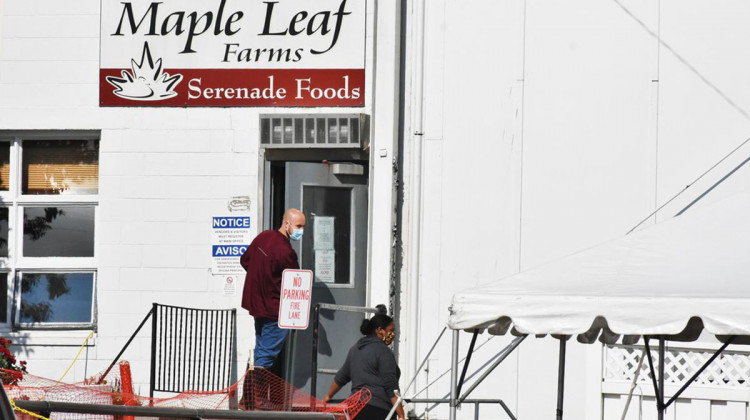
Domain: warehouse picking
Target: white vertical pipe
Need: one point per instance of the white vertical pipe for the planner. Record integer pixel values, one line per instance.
(415, 188)
(454, 376)
(386, 108)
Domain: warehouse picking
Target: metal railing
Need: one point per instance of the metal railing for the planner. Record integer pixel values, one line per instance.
(48, 407)
(164, 412)
(316, 333)
(435, 401)
(477, 402)
(190, 348)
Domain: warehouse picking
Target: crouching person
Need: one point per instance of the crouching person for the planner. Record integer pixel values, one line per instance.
(371, 364)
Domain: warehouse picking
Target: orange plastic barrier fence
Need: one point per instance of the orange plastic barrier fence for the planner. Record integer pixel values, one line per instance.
(259, 389)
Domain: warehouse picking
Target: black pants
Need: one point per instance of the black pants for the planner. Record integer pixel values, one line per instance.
(371, 412)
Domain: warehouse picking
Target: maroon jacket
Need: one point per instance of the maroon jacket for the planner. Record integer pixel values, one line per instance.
(266, 258)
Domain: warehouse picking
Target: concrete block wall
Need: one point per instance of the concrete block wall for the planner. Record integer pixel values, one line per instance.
(163, 174)
(157, 217)
(153, 237)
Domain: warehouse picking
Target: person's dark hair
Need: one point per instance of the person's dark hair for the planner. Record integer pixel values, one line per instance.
(369, 326)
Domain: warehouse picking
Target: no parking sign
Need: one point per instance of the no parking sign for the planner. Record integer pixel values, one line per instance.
(296, 294)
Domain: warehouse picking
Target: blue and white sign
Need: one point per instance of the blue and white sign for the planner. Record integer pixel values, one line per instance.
(231, 237)
(228, 250)
(231, 222)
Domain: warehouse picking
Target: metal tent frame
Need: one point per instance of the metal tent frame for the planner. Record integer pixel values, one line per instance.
(456, 382)
(659, 283)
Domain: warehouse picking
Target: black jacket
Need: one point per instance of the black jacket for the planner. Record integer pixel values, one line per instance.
(370, 364)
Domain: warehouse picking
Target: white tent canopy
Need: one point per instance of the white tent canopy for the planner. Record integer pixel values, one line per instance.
(673, 279)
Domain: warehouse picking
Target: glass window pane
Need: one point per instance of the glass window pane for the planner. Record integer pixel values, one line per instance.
(343, 130)
(58, 231)
(320, 137)
(265, 130)
(3, 297)
(299, 135)
(60, 167)
(56, 297)
(333, 255)
(276, 130)
(309, 130)
(4, 165)
(288, 130)
(333, 131)
(3, 231)
(354, 130)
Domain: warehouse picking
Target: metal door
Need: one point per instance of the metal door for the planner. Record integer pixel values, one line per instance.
(334, 246)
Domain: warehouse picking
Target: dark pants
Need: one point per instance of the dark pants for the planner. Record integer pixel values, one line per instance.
(257, 392)
(269, 339)
(371, 412)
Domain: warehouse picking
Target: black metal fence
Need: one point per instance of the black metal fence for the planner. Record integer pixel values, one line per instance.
(192, 349)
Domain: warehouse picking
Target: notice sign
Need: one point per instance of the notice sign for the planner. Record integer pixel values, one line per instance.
(323, 226)
(232, 53)
(294, 305)
(325, 265)
(230, 239)
(230, 287)
(323, 243)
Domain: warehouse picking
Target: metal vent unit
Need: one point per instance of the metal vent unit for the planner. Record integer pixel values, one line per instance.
(314, 131)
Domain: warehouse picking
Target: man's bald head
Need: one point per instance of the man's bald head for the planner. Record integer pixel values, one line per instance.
(293, 220)
(292, 215)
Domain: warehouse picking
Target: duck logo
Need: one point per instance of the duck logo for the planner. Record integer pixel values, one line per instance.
(147, 81)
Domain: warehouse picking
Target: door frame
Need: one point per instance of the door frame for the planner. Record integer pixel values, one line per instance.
(266, 220)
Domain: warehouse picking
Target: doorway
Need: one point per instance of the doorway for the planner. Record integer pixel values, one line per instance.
(334, 198)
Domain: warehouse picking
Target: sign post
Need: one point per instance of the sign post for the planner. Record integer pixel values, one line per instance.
(296, 296)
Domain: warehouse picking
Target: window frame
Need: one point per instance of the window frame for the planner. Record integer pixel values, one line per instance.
(15, 263)
(16, 310)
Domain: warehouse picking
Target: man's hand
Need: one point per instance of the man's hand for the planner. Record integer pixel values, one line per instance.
(326, 399)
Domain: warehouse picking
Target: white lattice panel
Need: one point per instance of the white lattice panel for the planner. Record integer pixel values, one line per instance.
(730, 369)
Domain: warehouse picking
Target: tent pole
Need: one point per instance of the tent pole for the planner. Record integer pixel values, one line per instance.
(561, 379)
(660, 398)
(698, 373)
(651, 365)
(466, 364)
(454, 376)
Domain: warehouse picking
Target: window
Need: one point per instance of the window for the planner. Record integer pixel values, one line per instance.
(56, 298)
(330, 256)
(313, 130)
(49, 188)
(61, 231)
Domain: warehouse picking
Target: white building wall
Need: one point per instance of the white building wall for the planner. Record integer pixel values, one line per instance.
(550, 127)
(164, 172)
(547, 127)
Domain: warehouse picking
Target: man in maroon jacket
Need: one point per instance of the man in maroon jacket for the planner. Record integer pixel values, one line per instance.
(268, 256)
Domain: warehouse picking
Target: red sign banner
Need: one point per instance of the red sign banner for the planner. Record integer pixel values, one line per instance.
(234, 88)
(232, 53)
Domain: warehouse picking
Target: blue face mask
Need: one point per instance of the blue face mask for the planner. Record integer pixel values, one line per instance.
(297, 234)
